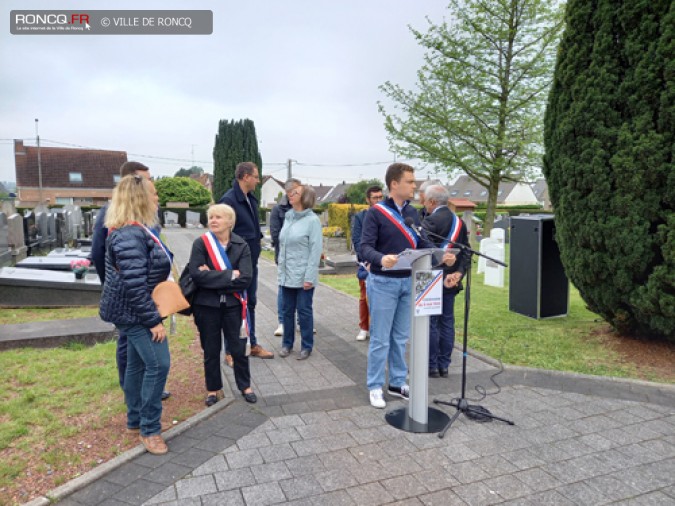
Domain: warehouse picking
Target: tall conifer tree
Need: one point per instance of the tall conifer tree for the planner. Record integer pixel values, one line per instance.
(609, 137)
(236, 142)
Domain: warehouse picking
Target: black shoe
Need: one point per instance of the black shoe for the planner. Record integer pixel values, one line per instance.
(443, 373)
(304, 355)
(433, 373)
(250, 397)
(165, 395)
(211, 400)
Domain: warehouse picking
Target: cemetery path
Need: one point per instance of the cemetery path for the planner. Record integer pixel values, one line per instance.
(314, 439)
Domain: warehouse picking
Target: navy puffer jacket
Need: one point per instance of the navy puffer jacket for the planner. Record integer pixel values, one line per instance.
(134, 264)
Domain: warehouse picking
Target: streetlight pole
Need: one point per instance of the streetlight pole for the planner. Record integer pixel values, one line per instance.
(37, 137)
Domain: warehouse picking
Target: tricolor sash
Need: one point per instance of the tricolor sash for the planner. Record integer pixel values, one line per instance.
(221, 262)
(398, 222)
(453, 235)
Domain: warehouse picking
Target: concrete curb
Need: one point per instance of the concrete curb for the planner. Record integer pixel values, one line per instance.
(98, 472)
(604, 386)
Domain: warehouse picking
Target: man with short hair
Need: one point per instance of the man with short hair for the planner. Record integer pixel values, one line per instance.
(247, 225)
(422, 197)
(99, 235)
(442, 222)
(373, 196)
(277, 217)
(385, 235)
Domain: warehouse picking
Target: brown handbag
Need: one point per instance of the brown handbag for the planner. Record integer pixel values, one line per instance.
(169, 298)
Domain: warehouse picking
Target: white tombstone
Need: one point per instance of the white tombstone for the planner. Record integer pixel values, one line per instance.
(192, 220)
(494, 273)
(484, 244)
(498, 235)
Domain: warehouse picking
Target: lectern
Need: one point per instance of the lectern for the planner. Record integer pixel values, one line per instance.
(417, 416)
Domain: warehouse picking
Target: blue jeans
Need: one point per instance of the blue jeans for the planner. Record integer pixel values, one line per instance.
(442, 333)
(280, 305)
(301, 300)
(389, 300)
(148, 365)
(121, 357)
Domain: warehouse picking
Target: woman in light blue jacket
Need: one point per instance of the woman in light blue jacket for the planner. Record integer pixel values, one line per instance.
(300, 246)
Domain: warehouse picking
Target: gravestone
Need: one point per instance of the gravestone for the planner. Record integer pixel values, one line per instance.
(5, 251)
(170, 219)
(192, 219)
(31, 287)
(498, 235)
(484, 244)
(75, 221)
(51, 263)
(8, 207)
(83, 252)
(42, 221)
(88, 218)
(63, 236)
(503, 223)
(17, 242)
(30, 231)
(494, 273)
(51, 229)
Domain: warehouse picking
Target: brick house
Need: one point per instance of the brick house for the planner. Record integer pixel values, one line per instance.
(69, 176)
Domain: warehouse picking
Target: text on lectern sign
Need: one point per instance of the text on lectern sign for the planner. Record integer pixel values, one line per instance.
(428, 293)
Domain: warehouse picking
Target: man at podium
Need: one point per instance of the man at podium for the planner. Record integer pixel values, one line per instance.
(385, 235)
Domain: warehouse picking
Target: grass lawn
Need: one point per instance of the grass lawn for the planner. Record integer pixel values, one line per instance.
(575, 343)
(61, 409)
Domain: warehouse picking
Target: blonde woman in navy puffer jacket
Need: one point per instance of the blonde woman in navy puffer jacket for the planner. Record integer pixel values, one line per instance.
(137, 261)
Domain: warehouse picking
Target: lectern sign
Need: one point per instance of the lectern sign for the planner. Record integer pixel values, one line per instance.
(428, 293)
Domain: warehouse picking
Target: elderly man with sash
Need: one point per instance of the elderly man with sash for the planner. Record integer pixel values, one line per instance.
(442, 222)
(385, 235)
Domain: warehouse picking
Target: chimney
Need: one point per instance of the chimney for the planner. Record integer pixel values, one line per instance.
(18, 147)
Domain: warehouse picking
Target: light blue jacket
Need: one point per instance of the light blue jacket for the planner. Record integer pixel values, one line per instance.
(300, 247)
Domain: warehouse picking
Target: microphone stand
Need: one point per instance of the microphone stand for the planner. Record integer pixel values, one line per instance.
(462, 405)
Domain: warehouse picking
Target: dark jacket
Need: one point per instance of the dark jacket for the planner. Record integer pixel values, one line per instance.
(357, 229)
(98, 238)
(439, 222)
(212, 284)
(98, 243)
(247, 224)
(134, 265)
(381, 237)
(277, 223)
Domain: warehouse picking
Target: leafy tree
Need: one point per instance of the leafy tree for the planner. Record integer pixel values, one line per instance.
(356, 194)
(609, 137)
(481, 92)
(236, 142)
(182, 189)
(189, 172)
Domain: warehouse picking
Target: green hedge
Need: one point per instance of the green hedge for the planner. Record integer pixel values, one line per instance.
(340, 215)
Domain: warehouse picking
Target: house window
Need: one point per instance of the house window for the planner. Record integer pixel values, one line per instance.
(483, 193)
(453, 193)
(116, 178)
(467, 193)
(64, 201)
(75, 177)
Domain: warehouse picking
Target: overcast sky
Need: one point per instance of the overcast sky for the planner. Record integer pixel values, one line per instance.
(305, 71)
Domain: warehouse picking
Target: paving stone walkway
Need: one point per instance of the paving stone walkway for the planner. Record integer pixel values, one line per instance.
(313, 438)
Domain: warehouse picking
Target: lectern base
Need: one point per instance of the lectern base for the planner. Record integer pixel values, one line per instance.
(400, 419)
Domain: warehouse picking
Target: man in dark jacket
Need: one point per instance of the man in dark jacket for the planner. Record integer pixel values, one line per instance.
(276, 224)
(247, 226)
(99, 235)
(385, 235)
(373, 196)
(441, 221)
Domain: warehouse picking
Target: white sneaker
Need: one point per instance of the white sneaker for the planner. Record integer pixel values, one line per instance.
(280, 330)
(362, 335)
(377, 399)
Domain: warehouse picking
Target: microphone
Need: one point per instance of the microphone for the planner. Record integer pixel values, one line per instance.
(423, 232)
